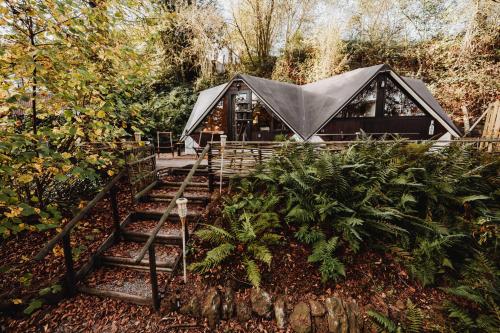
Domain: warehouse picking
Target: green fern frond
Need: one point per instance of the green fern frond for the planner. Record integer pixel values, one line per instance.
(213, 234)
(309, 235)
(213, 258)
(382, 322)
(414, 318)
(253, 272)
(261, 253)
(463, 317)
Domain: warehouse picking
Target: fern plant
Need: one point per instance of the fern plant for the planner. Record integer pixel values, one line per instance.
(324, 253)
(245, 237)
(414, 318)
(383, 323)
(479, 286)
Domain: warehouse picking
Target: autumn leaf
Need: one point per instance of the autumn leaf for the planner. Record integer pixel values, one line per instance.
(14, 212)
(25, 178)
(58, 251)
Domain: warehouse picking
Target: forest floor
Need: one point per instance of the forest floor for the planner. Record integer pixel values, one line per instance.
(373, 279)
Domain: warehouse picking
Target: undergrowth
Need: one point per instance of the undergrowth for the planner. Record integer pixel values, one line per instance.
(431, 208)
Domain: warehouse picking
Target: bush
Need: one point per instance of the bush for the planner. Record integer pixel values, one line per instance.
(431, 207)
(244, 236)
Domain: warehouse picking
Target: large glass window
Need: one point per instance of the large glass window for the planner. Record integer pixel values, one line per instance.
(397, 103)
(363, 105)
(216, 120)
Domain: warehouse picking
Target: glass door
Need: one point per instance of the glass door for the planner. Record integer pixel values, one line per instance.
(241, 112)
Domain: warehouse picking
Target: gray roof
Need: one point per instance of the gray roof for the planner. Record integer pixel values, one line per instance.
(307, 108)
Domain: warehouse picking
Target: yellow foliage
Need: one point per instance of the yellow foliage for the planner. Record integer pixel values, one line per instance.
(58, 251)
(14, 212)
(25, 178)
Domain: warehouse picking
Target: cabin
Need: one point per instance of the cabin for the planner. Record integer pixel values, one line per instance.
(373, 100)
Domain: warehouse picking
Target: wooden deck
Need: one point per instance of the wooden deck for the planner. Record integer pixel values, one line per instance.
(166, 161)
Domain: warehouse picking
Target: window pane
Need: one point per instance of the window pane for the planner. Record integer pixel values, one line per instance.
(363, 105)
(216, 120)
(397, 103)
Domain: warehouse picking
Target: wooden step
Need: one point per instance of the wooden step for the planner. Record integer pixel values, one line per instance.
(123, 283)
(123, 254)
(139, 236)
(111, 262)
(136, 299)
(199, 185)
(168, 197)
(170, 171)
(174, 217)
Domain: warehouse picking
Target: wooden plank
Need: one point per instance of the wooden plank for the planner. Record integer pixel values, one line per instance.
(141, 160)
(130, 261)
(147, 189)
(116, 294)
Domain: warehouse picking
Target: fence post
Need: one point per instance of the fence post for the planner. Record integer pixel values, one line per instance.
(153, 277)
(114, 209)
(209, 168)
(260, 153)
(68, 259)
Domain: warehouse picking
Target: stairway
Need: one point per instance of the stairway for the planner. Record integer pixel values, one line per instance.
(116, 274)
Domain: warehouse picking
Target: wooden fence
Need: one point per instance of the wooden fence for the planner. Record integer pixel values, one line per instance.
(492, 127)
(141, 166)
(242, 157)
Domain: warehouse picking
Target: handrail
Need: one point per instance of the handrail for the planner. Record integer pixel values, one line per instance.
(67, 228)
(165, 215)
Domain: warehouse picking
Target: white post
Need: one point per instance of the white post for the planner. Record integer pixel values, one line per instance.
(182, 211)
(223, 139)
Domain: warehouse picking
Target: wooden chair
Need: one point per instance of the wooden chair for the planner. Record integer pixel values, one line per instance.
(204, 139)
(167, 148)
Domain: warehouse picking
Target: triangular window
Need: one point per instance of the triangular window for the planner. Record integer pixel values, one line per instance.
(397, 103)
(363, 105)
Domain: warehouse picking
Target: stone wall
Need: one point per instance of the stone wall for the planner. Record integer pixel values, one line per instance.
(328, 314)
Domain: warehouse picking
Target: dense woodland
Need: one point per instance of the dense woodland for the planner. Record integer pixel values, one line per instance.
(77, 76)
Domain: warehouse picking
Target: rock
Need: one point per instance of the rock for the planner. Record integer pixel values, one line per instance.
(211, 308)
(317, 309)
(279, 312)
(300, 319)
(243, 311)
(353, 317)
(336, 315)
(261, 302)
(320, 324)
(169, 304)
(192, 307)
(228, 303)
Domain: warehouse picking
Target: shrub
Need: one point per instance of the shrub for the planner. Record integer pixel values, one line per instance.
(245, 235)
(435, 206)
